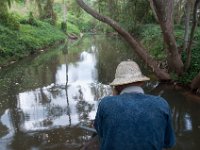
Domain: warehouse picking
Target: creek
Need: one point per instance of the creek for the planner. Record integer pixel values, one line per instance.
(44, 98)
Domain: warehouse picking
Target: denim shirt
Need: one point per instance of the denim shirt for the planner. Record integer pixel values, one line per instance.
(134, 121)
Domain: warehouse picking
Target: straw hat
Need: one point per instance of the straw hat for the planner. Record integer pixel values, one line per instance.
(128, 72)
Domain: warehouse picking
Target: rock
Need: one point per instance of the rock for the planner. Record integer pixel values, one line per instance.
(12, 62)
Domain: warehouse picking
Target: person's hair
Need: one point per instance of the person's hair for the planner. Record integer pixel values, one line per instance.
(119, 88)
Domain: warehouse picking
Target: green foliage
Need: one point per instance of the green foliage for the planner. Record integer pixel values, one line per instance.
(64, 26)
(6, 2)
(71, 28)
(197, 35)
(31, 20)
(135, 13)
(17, 44)
(83, 23)
(195, 61)
(194, 69)
(9, 20)
(48, 13)
(179, 35)
(151, 37)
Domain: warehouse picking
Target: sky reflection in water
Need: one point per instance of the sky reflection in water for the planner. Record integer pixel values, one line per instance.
(71, 97)
(54, 105)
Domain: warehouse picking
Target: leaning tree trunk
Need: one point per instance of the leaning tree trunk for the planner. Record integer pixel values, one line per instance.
(138, 48)
(164, 11)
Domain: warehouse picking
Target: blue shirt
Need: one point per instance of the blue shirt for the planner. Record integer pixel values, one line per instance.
(134, 121)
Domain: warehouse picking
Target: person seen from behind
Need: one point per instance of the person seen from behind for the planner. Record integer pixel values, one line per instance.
(131, 119)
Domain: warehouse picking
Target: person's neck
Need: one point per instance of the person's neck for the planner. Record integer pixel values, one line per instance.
(132, 89)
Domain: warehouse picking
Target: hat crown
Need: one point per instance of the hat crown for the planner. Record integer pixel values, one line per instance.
(128, 69)
(128, 72)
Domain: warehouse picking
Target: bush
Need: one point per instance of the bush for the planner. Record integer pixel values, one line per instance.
(10, 21)
(151, 37)
(195, 61)
(31, 20)
(71, 28)
(64, 27)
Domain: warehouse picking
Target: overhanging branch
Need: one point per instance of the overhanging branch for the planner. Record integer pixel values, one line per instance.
(137, 47)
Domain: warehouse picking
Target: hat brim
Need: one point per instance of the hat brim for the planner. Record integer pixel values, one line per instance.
(122, 81)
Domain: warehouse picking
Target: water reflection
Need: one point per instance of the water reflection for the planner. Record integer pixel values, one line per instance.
(43, 99)
(184, 113)
(8, 130)
(66, 102)
(48, 107)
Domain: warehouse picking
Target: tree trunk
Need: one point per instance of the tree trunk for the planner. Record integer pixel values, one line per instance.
(64, 22)
(27, 3)
(188, 8)
(64, 12)
(153, 10)
(3, 8)
(39, 5)
(194, 24)
(49, 13)
(164, 11)
(138, 48)
(179, 7)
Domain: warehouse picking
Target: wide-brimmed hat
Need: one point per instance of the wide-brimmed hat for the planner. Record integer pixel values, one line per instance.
(128, 72)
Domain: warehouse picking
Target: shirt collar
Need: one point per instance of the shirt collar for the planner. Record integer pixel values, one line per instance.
(132, 89)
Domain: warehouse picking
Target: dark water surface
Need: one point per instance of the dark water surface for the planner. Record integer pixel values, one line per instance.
(44, 98)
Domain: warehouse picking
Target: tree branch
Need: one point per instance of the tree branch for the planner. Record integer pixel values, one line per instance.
(137, 47)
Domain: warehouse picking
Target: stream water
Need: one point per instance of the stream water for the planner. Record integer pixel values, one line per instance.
(44, 98)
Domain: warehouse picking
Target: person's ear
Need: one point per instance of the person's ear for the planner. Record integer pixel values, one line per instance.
(114, 91)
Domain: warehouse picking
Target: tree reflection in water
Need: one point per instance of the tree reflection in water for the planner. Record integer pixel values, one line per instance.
(58, 92)
(45, 115)
(83, 108)
(185, 119)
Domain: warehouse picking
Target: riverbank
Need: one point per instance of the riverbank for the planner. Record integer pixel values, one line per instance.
(28, 39)
(151, 37)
